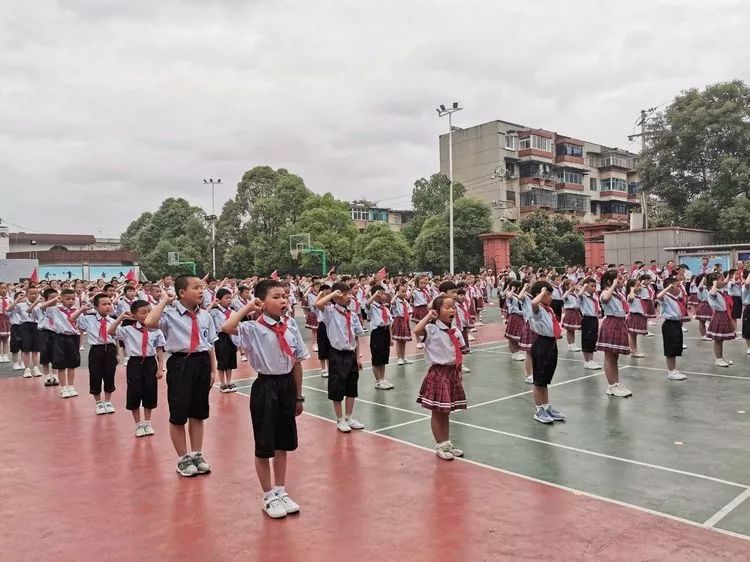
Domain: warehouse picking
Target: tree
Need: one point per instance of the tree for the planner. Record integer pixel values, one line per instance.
(470, 219)
(329, 223)
(430, 198)
(380, 246)
(547, 239)
(699, 148)
(176, 226)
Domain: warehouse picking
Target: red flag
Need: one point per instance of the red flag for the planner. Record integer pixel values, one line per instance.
(34, 276)
(130, 276)
(332, 271)
(381, 273)
(275, 275)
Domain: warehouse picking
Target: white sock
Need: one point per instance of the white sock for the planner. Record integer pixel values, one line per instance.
(279, 490)
(269, 495)
(545, 406)
(538, 408)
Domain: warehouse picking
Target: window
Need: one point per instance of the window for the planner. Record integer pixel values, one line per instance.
(541, 143)
(565, 149)
(613, 184)
(379, 215)
(524, 143)
(360, 214)
(567, 176)
(613, 208)
(592, 184)
(539, 198)
(634, 188)
(511, 142)
(571, 202)
(534, 170)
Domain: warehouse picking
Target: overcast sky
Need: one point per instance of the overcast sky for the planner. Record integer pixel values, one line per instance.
(109, 106)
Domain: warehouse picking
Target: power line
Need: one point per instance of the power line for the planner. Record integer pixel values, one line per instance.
(25, 228)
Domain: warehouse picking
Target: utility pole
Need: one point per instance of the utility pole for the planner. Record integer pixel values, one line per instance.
(442, 112)
(642, 122)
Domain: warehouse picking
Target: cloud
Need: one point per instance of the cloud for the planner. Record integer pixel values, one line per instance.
(133, 102)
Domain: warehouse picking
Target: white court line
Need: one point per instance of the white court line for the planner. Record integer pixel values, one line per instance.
(373, 403)
(603, 455)
(554, 485)
(727, 509)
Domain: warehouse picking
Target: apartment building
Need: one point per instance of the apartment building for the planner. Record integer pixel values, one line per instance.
(364, 212)
(518, 169)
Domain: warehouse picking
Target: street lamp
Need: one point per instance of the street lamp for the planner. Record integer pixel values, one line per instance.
(212, 218)
(442, 111)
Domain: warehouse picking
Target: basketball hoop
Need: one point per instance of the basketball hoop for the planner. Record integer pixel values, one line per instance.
(295, 254)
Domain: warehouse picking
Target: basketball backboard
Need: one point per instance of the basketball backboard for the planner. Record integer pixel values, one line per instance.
(298, 243)
(173, 258)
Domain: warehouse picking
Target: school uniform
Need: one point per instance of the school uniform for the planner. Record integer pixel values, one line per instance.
(672, 310)
(478, 298)
(46, 335)
(189, 336)
(26, 333)
(225, 346)
(401, 313)
(528, 335)
(646, 294)
(273, 348)
(209, 296)
(635, 321)
(311, 321)
(571, 319)
(720, 328)
(102, 352)
(421, 298)
(557, 301)
(442, 388)
(613, 334)
(140, 346)
(734, 290)
(343, 327)
(4, 317)
(590, 312)
(123, 306)
(746, 312)
(704, 311)
(66, 352)
(515, 323)
(543, 352)
(461, 322)
(380, 334)
(321, 335)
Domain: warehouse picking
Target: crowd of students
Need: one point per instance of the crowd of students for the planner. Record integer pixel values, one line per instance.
(202, 326)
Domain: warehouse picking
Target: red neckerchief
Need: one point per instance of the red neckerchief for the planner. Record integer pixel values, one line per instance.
(556, 329)
(346, 313)
(458, 356)
(279, 329)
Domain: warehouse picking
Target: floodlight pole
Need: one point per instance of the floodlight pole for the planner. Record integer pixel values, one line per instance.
(213, 223)
(442, 112)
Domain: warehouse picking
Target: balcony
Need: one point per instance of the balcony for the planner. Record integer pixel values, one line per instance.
(569, 151)
(634, 192)
(534, 199)
(610, 161)
(571, 202)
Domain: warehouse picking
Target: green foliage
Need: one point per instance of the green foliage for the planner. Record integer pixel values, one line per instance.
(697, 160)
(470, 219)
(380, 246)
(547, 239)
(331, 229)
(430, 197)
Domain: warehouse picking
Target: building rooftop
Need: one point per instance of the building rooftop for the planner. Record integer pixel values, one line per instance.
(42, 238)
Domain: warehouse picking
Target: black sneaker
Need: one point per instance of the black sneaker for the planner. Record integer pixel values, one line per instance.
(200, 464)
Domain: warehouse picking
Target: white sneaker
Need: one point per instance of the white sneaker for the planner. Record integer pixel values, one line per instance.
(290, 506)
(618, 389)
(465, 369)
(456, 452)
(324, 373)
(706, 338)
(315, 348)
(518, 356)
(72, 392)
(420, 345)
(343, 427)
(80, 348)
(125, 361)
(748, 351)
(401, 361)
(407, 361)
(684, 346)
(443, 451)
(65, 393)
(676, 376)
(472, 338)
(651, 323)
(148, 430)
(109, 408)
(684, 330)
(100, 409)
(140, 431)
(473, 330)
(18, 366)
(27, 373)
(637, 355)
(3, 358)
(592, 365)
(243, 358)
(274, 508)
(354, 424)
(650, 335)
(479, 323)
(722, 363)
(529, 379)
(383, 385)
(574, 348)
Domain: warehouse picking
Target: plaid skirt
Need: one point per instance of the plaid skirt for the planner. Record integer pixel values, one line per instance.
(693, 299)
(720, 328)
(571, 319)
(419, 313)
(478, 303)
(528, 337)
(514, 327)
(311, 321)
(613, 336)
(400, 331)
(4, 325)
(636, 323)
(649, 310)
(704, 311)
(442, 389)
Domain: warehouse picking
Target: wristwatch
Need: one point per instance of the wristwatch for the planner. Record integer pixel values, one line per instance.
(300, 399)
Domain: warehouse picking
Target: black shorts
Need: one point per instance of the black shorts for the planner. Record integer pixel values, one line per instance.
(15, 338)
(188, 385)
(322, 341)
(465, 334)
(543, 360)
(671, 331)
(226, 352)
(746, 322)
(142, 384)
(66, 353)
(102, 367)
(736, 308)
(273, 402)
(46, 346)
(380, 346)
(557, 308)
(343, 374)
(29, 336)
(589, 333)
